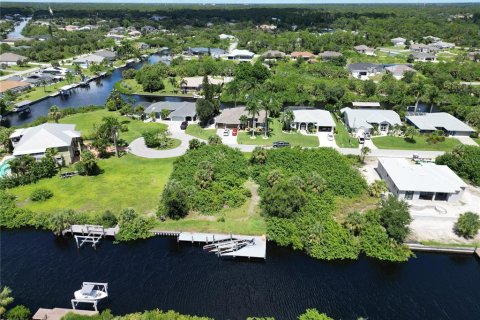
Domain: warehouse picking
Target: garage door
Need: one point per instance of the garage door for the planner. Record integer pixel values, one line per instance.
(325, 129)
(177, 118)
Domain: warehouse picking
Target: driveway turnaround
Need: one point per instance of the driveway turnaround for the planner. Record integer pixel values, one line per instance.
(466, 140)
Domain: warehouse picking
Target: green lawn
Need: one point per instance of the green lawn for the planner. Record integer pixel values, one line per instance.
(295, 139)
(343, 138)
(197, 131)
(84, 123)
(21, 68)
(131, 86)
(40, 92)
(127, 182)
(477, 140)
(420, 143)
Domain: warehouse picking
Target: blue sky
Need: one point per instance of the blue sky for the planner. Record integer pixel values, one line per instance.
(252, 1)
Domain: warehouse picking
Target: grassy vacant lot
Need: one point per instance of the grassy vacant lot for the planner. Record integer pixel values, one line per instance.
(197, 131)
(40, 92)
(343, 138)
(127, 182)
(243, 220)
(295, 139)
(130, 86)
(419, 143)
(85, 121)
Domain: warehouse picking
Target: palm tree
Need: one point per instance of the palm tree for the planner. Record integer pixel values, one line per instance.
(363, 153)
(5, 299)
(58, 223)
(253, 108)
(183, 83)
(77, 69)
(287, 118)
(232, 89)
(43, 83)
(173, 81)
(243, 121)
(54, 113)
(272, 106)
(411, 131)
(69, 77)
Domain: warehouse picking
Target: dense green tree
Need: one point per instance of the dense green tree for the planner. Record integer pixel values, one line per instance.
(87, 165)
(174, 200)
(19, 312)
(464, 161)
(205, 110)
(5, 299)
(395, 218)
(283, 200)
(313, 314)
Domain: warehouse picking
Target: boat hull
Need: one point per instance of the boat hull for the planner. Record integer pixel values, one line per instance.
(96, 295)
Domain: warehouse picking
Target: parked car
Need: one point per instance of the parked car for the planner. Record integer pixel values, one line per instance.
(368, 136)
(184, 125)
(280, 144)
(361, 140)
(226, 132)
(234, 132)
(330, 136)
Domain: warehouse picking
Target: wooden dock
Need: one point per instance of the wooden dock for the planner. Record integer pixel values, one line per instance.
(477, 252)
(85, 229)
(461, 250)
(59, 313)
(229, 245)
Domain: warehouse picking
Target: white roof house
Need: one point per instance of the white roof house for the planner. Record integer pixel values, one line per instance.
(364, 119)
(224, 36)
(321, 119)
(91, 58)
(440, 121)
(195, 83)
(426, 181)
(238, 54)
(36, 140)
(179, 111)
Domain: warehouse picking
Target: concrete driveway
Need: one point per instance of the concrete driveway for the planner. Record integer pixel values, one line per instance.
(227, 140)
(466, 140)
(324, 142)
(369, 143)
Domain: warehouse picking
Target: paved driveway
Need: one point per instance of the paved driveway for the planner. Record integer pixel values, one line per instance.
(369, 143)
(228, 140)
(324, 142)
(466, 140)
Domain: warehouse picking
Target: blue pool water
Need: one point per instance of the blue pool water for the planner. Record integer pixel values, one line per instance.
(4, 168)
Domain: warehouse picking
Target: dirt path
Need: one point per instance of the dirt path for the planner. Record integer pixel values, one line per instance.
(255, 199)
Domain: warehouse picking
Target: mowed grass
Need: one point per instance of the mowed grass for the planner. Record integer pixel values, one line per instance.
(84, 123)
(131, 86)
(39, 92)
(343, 138)
(420, 143)
(295, 139)
(198, 132)
(126, 182)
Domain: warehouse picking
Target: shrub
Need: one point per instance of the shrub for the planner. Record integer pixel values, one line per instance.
(464, 161)
(395, 218)
(87, 166)
(214, 140)
(133, 226)
(467, 225)
(283, 200)
(195, 144)
(41, 195)
(174, 200)
(19, 312)
(108, 219)
(377, 188)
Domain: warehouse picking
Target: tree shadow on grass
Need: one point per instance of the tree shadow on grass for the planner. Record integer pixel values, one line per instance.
(409, 140)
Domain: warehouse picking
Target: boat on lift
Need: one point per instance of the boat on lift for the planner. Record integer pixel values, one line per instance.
(92, 291)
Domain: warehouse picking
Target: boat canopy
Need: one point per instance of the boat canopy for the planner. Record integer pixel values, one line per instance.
(87, 289)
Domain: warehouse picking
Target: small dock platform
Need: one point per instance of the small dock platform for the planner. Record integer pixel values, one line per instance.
(59, 313)
(461, 250)
(88, 233)
(229, 245)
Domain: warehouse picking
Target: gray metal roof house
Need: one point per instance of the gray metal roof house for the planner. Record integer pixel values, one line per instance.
(321, 119)
(430, 122)
(426, 181)
(360, 121)
(179, 111)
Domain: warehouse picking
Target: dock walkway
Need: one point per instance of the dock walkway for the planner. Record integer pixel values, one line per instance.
(423, 248)
(85, 229)
(59, 313)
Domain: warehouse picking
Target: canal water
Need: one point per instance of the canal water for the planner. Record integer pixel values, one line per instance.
(16, 33)
(94, 94)
(44, 271)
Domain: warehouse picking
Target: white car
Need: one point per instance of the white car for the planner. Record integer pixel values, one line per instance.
(361, 140)
(226, 133)
(330, 136)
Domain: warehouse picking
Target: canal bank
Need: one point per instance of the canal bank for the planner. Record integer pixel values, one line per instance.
(44, 271)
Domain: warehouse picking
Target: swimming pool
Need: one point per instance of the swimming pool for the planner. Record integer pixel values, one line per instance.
(4, 167)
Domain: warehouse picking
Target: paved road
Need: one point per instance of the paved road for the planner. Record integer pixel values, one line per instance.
(138, 147)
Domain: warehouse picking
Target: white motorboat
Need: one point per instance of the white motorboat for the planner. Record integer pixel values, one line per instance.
(92, 291)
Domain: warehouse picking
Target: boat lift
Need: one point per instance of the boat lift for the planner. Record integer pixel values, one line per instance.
(222, 247)
(88, 288)
(94, 235)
